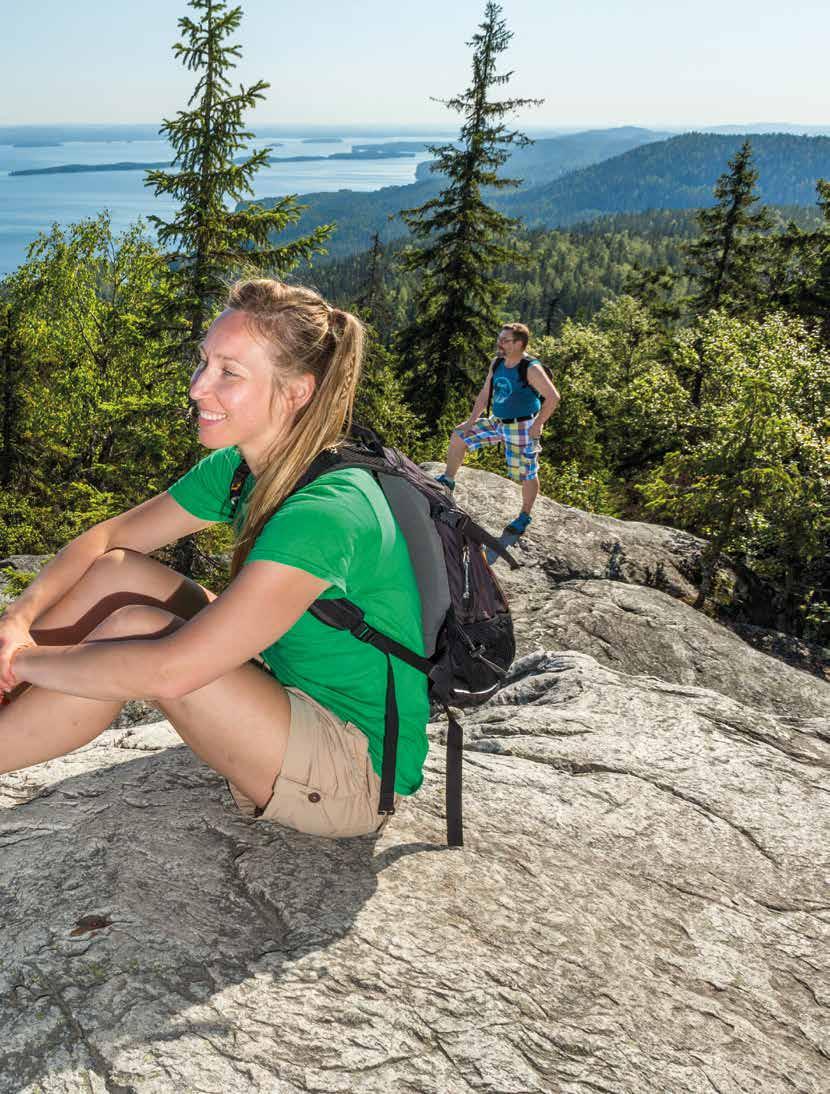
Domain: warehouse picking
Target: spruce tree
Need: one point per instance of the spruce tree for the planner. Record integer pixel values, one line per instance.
(460, 239)
(725, 260)
(211, 243)
(373, 304)
(804, 259)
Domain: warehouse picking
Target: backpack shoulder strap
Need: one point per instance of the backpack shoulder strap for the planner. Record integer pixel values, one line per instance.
(524, 365)
(237, 482)
(493, 365)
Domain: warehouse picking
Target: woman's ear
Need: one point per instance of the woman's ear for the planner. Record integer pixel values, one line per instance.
(299, 391)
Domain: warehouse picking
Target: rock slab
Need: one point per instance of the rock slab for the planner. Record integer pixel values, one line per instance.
(641, 906)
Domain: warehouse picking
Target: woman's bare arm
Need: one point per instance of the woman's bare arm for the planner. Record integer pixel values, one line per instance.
(144, 528)
(264, 601)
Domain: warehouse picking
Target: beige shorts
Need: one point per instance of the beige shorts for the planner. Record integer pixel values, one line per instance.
(327, 785)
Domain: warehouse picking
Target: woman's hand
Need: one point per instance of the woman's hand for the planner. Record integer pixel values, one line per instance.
(14, 636)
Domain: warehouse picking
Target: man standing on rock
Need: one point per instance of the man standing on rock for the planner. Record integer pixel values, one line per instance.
(522, 398)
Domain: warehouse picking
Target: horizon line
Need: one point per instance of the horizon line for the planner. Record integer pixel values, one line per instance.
(426, 125)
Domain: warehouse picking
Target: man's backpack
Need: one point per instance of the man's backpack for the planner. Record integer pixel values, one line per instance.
(523, 366)
(467, 626)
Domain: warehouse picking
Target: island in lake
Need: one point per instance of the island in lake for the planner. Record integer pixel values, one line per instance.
(81, 168)
(369, 152)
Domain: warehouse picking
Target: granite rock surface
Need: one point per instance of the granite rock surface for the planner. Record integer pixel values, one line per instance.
(642, 903)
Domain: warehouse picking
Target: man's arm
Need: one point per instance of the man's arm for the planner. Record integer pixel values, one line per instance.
(539, 381)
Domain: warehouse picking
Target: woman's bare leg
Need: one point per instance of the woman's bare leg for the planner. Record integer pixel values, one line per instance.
(237, 724)
(116, 579)
(39, 724)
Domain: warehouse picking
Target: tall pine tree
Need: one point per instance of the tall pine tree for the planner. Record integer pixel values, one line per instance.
(725, 260)
(460, 239)
(212, 242)
(801, 260)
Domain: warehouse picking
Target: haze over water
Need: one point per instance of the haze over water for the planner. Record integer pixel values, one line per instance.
(29, 204)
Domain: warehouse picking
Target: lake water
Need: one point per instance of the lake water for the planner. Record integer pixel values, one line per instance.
(32, 203)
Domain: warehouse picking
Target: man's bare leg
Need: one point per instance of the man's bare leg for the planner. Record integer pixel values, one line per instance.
(455, 456)
(530, 492)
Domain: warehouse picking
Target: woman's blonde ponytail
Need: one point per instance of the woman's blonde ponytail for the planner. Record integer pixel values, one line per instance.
(307, 337)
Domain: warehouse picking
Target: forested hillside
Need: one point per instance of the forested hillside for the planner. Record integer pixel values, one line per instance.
(550, 157)
(567, 273)
(670, 174)
(675, 174)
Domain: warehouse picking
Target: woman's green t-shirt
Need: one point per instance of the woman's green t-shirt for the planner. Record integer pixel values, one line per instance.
(341, 529)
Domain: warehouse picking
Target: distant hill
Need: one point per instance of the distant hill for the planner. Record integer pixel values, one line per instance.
(678, 173)
(545, 160)
(358, 214)
(769, 127)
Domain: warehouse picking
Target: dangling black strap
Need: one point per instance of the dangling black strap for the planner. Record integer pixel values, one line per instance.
(455, 747)
(390, 745)
(342, 614)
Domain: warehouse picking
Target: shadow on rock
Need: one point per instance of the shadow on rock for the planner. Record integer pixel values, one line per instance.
(135, 892)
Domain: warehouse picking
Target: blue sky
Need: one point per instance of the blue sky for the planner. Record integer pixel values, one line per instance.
(598, 63)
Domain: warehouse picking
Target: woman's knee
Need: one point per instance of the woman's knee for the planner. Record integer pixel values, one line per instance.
(136, 620)
(118, 578)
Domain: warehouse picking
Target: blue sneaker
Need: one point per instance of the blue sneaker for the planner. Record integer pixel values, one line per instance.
(519, 526)
(449, 483)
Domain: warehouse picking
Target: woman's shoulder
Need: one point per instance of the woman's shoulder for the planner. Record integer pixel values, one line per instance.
(332, 527)
(220, 461)
(345, 490)
(203, 490)
(345, 505)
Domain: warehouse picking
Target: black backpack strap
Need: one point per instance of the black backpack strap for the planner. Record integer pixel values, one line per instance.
(455, 753)
(343, 615)
(476, 534)
(238, 481)
(391, 728)
(493, 364)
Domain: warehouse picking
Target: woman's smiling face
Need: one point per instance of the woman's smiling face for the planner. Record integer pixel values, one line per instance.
(233, 385)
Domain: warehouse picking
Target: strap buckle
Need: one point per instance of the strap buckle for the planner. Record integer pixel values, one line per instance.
(362, 631)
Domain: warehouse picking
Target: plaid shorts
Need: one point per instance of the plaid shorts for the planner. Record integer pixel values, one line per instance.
(520, 450)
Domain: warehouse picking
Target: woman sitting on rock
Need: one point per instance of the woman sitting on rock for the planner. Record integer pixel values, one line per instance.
(287, 709)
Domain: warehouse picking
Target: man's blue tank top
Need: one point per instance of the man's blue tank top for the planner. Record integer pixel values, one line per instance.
(511, 399)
